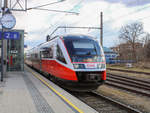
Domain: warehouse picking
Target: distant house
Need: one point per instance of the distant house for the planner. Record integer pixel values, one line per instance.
(110, 55)
(125, 51)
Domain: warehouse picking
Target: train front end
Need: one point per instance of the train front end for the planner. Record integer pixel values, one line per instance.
(87, 58)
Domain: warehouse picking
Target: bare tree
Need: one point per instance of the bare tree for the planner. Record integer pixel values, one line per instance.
(146, 42)
(131, 34)
(147, 49)
(146, 38)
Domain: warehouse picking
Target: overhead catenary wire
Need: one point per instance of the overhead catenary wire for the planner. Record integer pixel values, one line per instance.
(38, 8)
(45, 5)
(56, 11)
(44, 9)
(73, 27)
(108, 34)
(73, 8)
(133, 12)
(69, 10)
(128, 14)
(136, 11)
(77, 4)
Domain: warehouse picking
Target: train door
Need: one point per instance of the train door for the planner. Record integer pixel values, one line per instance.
(40, 61)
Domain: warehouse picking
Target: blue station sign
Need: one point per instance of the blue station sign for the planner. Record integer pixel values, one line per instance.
(10, 35)
(25, 46)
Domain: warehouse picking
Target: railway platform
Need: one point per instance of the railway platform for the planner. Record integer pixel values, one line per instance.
(29, 92)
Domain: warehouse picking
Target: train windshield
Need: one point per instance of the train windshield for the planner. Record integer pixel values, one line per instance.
(84, 50)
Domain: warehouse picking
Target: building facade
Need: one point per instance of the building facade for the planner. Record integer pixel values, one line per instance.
(110, 55)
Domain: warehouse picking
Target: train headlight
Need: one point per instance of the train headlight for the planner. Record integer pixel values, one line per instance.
(78, 66)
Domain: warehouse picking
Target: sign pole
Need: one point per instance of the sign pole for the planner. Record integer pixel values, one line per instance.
(2, 51)
(2, 48)
(2, 56)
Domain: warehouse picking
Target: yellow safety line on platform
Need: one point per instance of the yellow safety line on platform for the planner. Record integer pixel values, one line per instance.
(56, 92)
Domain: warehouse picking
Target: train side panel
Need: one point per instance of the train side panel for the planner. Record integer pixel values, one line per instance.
(58, 70)
(55, 66)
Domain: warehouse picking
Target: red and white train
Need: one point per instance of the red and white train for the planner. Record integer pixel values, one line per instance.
(76, 62)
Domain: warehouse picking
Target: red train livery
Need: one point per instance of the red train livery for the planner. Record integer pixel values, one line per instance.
(76, 62)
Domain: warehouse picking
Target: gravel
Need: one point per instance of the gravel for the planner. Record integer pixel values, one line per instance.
(137, 101)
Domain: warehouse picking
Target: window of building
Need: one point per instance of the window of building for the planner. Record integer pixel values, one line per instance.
(60, 56)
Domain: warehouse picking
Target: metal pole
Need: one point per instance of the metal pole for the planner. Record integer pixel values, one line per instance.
(25, 5)
(5, 4)
(10, 4)
(0, 3)
(2, 57)
(2, 48)
(101, 30)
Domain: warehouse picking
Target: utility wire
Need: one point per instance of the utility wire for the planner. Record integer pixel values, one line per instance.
(133, 12)
(136, 11)
(77, 5)
(65, 15)
(56, 11)
(116, 19)
(37, 7)
(73, 27)
(108, 34)
(45, 5)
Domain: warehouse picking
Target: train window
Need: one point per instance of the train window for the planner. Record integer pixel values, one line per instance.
(51, 52)
(84, 45)
(60, 56)
(32, 56)
(36, 55)
(47, 52)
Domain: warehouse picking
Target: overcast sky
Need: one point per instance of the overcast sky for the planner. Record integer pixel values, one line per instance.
(116, 13)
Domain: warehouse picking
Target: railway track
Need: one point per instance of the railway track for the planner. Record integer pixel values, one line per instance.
(104, 104)
(137, 86)
(129, 71)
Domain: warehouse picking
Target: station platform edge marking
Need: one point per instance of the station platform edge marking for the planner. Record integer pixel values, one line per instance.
(56, 92)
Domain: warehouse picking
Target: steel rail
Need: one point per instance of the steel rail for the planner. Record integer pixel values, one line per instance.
(127, 83)
(128, 80)
(130, 71)
(108, 104)
(124, 106)
(127, 88)
(126, 77)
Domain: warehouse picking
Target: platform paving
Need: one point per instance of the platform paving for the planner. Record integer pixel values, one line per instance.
(22, 92)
